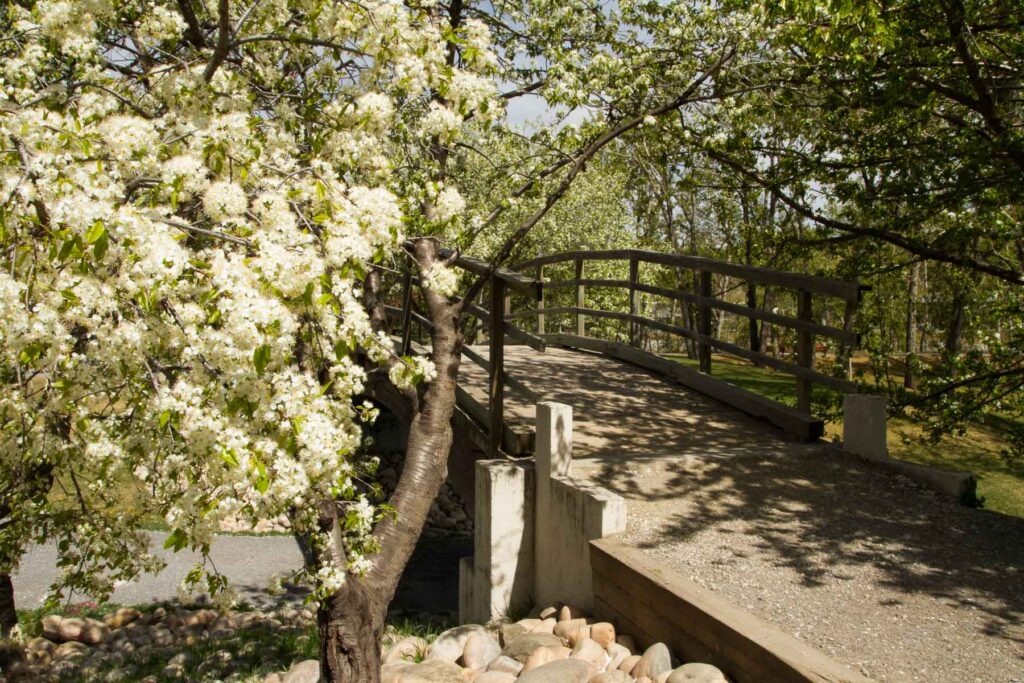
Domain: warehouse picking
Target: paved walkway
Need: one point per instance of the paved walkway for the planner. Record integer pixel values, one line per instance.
(250, 562)
(864, 565)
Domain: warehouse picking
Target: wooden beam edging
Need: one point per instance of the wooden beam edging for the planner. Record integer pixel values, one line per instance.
(804, 427)
(848, 290)
(655, 604)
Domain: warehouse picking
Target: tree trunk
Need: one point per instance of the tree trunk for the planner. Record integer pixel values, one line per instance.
(8, 614)
(351, 622)
(909, 381)
(955, 332)
(12, 655)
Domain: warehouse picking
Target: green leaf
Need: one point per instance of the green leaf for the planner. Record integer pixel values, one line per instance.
(261, 358)
(177, 540)
(165, 418)
(100, 247)
(262, 480)
(97, 231)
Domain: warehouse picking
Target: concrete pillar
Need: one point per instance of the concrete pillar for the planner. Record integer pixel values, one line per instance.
(864, 426)
(553, 455)
(500, 577)
(553, 447)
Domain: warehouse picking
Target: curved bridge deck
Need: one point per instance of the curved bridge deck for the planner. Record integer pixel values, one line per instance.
(860, 563)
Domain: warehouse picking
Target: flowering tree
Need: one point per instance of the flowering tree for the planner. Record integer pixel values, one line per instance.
(199, 201)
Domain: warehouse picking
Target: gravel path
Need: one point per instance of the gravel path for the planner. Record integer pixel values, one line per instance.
(250, 562)
(867, 567)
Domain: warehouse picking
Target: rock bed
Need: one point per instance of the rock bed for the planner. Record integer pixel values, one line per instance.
(557, 645)
(86, 649)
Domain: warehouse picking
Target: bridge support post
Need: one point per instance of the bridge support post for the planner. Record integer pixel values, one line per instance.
(634, 328)
(540, 300)
(497, 361)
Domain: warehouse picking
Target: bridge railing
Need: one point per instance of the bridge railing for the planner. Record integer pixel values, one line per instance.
(503, 286)
(534, 290)
(805, 324)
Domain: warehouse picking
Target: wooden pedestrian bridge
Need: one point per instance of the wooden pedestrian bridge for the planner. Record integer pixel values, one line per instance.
(827, 565)
(550, 343)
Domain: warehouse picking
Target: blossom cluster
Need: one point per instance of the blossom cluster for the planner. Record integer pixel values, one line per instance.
(184, 251)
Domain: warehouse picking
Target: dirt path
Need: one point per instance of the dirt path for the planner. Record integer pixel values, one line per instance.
(864, 565)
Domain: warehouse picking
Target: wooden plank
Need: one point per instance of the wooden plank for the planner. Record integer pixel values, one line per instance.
(804, 352)
(804, 427)
(496, 376)
(657, 604)
(540, 301)
(846, 335)
(581, 300)
(849, 290)
(704, 324)
(634, 331)
(520, 335)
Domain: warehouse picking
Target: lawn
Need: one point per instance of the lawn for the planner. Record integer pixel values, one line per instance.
(1000, 483)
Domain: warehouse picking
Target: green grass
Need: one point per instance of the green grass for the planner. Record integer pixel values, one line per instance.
(1000, 483)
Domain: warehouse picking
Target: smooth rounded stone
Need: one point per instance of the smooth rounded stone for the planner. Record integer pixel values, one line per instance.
(306, 671)
(612, 677)
(174, 671)
(392, 673)
(697, 673)
(504, 664)
(569, 612)
(655, 660)
(626, 641)
(562, 671)
(480, 650)
(538, 658)
(545, 626)
(273, 678)
(406, 649)
(162, 637)
(122, 617)
(560, 652)
(449, 645)
(523, 646)
(618, 655)
(64, 629)
(433, 671)
(40, 645)
(591, 652)
(549, 612)
(603, 633)
(71, 650)
(629, 663)
(495, 677)
(568, 628)
(510, 632)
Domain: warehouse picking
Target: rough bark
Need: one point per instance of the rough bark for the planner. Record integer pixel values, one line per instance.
(351, 622)
(12, 656)
(909, 380)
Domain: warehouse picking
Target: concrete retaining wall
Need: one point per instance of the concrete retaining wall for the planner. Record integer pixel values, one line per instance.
(533, 526)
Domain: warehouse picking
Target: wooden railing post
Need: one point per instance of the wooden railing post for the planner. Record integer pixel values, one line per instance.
(754, 329)
(407, 311)
(634, 330)
(581, 300)
(804, 351)
(497, 360)
(704, 322)
(540, 300)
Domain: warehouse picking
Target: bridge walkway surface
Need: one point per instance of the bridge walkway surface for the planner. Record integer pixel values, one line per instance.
(862, 564)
